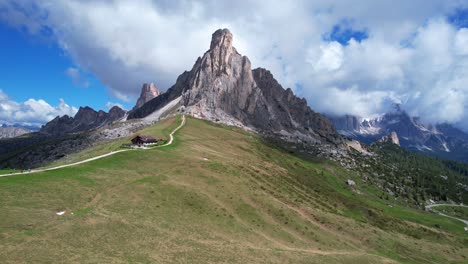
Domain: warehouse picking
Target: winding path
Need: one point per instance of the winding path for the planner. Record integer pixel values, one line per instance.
(429, 208)
(171, 140)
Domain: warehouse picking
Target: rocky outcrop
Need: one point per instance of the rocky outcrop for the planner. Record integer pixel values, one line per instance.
(115, 113)
(285, 111)
(85, 119)
(392, 138)
(222, 87)
(149, 91)
(10, 132)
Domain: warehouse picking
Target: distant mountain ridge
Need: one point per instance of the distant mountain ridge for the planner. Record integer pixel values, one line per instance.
(25, 126)
(11, 131)
(442, 140)
(85, 119)
(222, 87)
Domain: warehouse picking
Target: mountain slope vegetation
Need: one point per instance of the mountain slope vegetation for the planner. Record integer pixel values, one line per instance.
(412, 177)
(218, 194)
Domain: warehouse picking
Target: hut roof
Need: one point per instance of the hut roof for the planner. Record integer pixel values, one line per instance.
(144, 138)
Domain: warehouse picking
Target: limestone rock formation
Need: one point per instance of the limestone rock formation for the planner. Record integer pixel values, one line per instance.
(85, 119)
(10, 132)
(392, 138)
(149, 91)
(222, 87)
(346, 122)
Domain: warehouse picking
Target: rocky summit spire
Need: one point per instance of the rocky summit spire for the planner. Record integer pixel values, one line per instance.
(222, 86)
(221, 38)
(221, 51)
(148, 92)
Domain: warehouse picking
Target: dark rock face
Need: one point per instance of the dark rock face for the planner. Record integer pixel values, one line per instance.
(287, 112)
(441, 140)
(149, 91)
(58, 125)
(346, 122)
(222, 86)
(85, 120)
(115, 113)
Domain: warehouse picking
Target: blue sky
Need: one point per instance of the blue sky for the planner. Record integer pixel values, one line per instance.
(34, 67)
(459, 17)
(343, 32)
(344, 57)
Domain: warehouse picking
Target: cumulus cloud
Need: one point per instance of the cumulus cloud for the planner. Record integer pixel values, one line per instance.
(31, 112)
(428, 75)
(461, 42)
(329, 57)
(410, 53)
(126, 42)
(77, 77)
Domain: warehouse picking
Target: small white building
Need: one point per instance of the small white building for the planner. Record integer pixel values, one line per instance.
(350, 182)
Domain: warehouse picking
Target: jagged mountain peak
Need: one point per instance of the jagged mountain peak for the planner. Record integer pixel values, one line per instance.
(115, 108)
(222, 39)
(149, 91)
(221, 86)
(86, 109)
(442, 140)
(85, 119)
(222, 57)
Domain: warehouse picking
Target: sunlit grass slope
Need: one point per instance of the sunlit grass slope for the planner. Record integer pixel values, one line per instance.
(160, 131)
(455, 211)
(217, 195)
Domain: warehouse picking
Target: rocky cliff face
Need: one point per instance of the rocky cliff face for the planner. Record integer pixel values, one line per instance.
(10, 132)
(392, 138)
(85, 119)
(346, 123)
(222, 87)
(115, 113)
(149, 91)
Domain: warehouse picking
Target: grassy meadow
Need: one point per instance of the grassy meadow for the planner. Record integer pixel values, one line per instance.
(455, 211)
(217, 195)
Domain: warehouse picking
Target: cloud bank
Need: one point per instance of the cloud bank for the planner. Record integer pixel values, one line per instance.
(31, 112)
(344, 57)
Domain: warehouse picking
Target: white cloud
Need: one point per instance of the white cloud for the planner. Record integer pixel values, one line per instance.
(31, 112)
(126, 42)
(366, 104)
(412, 55)
(329, 59)
(461, 42)
(429, 76)
(77, 77)
(438, 74)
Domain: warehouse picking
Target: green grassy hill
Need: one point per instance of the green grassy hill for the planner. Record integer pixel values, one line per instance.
(217, 195)
(455, 211)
